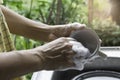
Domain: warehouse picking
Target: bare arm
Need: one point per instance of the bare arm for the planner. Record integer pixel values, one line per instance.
(36, 30)
(51, 56)
(17, 63)
(23, 26)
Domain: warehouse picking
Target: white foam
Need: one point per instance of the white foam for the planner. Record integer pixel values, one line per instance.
(81, 54)
(79, 49)
(80, 57)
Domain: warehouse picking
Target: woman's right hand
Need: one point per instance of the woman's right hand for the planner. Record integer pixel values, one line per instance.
(56, 54)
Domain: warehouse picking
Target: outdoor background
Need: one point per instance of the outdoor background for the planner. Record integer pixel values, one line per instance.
(96, 14)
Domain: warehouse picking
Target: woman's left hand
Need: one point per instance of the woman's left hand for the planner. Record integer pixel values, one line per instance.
(64, 30)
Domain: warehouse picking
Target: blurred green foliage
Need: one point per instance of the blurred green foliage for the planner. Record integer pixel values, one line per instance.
(108, 32)
(48, 11)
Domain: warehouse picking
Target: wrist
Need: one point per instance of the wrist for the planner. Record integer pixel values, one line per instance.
(39, 57)
(16, 63)
(59, 30)
(31, 58)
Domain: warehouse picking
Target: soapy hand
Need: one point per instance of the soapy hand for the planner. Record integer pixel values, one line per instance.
(63, 54)
(81, 51)
(56, 54)
(80, 57)
(81, 54)
(65, 30)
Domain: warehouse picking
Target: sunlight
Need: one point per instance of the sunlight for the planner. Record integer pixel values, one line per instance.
(102, 9)
(103, 4)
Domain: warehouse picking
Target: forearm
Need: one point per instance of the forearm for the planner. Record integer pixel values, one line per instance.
(17, 63)
(23, 26)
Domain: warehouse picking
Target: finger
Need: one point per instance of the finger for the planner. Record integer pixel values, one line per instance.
(77, 25)
(70, 63)
(63, 49)
(100, 40)
(70, 39)
(68, 46)
(68, 54)
(67, 64)
(74, 26)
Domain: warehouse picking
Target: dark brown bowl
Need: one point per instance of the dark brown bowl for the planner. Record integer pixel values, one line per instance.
(88, 38)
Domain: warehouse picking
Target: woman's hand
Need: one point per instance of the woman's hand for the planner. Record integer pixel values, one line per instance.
(64, 30)
(56, 54)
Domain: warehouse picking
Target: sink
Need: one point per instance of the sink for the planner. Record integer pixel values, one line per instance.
(112, 64)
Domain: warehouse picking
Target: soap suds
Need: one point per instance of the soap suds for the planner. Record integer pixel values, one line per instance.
(80, 57)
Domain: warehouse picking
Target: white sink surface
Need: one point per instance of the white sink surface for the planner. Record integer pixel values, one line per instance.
(111, 51)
